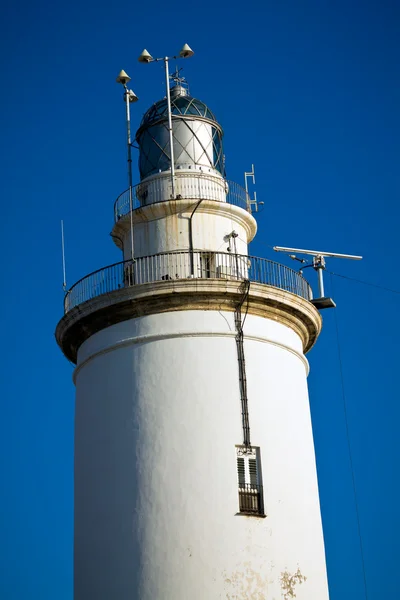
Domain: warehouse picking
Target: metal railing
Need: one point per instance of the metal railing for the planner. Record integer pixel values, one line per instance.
(186, 265)
(251, 499)
(187, 186)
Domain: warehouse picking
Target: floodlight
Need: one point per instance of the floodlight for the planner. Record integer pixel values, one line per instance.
(132, 96)
(123, 78)
(186, 52)
(145, 57)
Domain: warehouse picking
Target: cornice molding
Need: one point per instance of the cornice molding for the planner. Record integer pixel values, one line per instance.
(186, 294)
(184, 207)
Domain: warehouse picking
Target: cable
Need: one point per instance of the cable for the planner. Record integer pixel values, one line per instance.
(242, 366)
(365, 282)
(247, 296)
(265, 244)
(346, 277)
(381, 287)
(349, 446)
(259, 241)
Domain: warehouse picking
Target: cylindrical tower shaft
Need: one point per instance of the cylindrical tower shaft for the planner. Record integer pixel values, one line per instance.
(158, 502)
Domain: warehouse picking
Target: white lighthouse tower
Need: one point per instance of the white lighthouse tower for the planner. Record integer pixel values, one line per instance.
(195, 474)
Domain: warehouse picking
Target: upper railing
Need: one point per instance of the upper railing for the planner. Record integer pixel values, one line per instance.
(186, 265)
(187, 186)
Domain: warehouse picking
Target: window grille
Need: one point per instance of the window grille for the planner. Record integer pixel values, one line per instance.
(250, 488)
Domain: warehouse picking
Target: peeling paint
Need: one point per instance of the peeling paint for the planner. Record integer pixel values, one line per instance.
(289, 582)
(245, 584)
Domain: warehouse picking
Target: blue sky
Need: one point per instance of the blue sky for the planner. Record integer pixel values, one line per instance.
(307, 91)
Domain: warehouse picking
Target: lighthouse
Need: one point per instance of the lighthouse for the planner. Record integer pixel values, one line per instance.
(195, 474)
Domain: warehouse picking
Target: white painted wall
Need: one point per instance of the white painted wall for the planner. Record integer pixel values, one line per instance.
(193, 182)
(171, 232)
(158, 416)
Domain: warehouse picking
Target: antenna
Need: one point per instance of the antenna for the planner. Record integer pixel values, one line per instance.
(319, 265)
(63, 257)
(251, 202)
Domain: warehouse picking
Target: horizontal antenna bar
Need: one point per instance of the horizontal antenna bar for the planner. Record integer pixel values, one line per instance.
(317, 253)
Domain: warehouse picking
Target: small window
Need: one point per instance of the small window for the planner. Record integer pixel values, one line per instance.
(251, 500)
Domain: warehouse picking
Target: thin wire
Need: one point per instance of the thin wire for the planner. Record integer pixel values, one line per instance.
(375, 285)
(349, 444)
(264, 243)
(381, 287)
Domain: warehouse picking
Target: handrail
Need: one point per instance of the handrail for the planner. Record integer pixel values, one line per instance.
(177, 265)
(187, 186)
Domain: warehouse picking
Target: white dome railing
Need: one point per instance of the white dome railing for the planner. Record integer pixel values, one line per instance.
(187, 186)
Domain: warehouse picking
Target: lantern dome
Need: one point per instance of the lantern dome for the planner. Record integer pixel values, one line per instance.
(197, 136)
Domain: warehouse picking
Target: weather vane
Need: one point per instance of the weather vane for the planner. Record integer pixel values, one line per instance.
(179, 79)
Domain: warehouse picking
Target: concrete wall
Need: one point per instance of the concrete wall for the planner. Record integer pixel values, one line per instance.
(158, 416)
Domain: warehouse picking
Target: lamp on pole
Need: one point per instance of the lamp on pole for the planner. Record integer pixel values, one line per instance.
(146, 57)
(129, 96)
